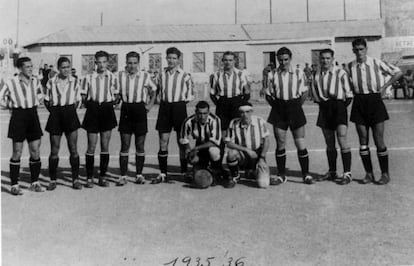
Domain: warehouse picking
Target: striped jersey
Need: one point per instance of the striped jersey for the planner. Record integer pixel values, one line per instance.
(369, 76)
(100, 88)
(176, 86)
(331, 84)
(135, 88)
(16, 93)
(250, 135)
(201, 133)
(63, 92)
(286, 85)
(229, 84)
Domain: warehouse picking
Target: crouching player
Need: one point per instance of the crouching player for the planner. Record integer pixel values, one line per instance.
(204, 128)
(247, 142)
(61, 99)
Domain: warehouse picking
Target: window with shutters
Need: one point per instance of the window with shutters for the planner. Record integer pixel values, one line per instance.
(199, 63)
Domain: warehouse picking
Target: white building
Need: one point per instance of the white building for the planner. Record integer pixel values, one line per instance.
(203, 45)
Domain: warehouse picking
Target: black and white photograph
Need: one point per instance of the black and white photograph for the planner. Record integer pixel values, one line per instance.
(207, 132)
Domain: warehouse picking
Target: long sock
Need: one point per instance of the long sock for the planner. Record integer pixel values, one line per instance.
(366, 159)
(234, 168)
(74, 165)
(123, 163)
(139, 162)
(14, 171)
(304, 161)
(53, 164)
(163, 161)
(346, 160)
(281, 161)
(34, 165)
(89, 163)
(332, 155)
(183, 165)
(103, 164)
(383, 160)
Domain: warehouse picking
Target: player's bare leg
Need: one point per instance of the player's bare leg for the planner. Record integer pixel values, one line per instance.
(341, 134)
(183, 159)
(53, 160)
(280, 154)
(299, 137)
(139, 158)
(35, 165)
(382, 153)
(365, 153)
(15, 168)
(72, 141)
(164, 139)
(124, 158)
(90, 158)
(104, 157)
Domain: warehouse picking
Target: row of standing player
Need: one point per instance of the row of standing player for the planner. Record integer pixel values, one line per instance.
(229, 90)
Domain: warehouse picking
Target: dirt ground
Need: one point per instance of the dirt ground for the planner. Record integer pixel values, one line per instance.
(172, 224)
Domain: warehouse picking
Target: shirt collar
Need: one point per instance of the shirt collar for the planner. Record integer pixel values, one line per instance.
(330, 70)
(177, 69)
(290, 70)
(106, 73)
(20, 78)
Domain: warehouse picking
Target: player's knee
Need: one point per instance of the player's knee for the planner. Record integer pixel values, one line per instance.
(232, 155)
(214, 153)
(300, 143)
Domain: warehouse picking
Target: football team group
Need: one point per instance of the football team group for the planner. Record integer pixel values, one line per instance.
(233, 136)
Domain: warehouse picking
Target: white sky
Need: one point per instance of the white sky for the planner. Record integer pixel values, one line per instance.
(39, 18)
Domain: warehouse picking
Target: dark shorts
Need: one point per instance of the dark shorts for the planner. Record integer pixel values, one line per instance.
(62, 119)
(171, 115)
(228, 109)
(368, 109)
(246, 162)
(99, 117)
(287, 114)
(24, 124)
(133, 119)
(332, 113)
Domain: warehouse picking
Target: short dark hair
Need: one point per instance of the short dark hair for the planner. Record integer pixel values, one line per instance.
(284, 50)
(228, 53)
(359, 41)
(62, 60)
(101, 54)
(327, 50)
(173, 50)
(22, 60)
(202, 105)
(133, 54)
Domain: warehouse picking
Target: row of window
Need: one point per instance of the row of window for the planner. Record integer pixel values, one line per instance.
(155, 62)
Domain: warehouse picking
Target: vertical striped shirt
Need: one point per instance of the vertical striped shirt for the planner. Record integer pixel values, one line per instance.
(286, 85)
(250, 135)
(201, 133)
(16, 93)
(176, 86)
(100, 88)
(62, 92)
(331, 84)
(369, 76)
(135, 88)
(229, 84)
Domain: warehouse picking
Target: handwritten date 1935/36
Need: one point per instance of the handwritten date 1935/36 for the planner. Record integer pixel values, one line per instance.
(208, 261)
